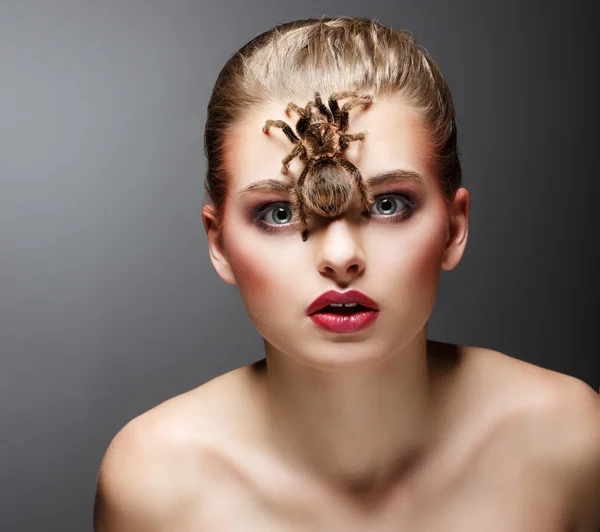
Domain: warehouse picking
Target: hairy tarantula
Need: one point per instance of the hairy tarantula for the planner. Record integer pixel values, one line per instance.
(325, 186)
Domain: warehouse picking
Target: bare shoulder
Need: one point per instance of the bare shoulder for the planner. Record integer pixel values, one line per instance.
(159, 464)
(564, 433)
(136, 487)
(529, 392)
(130, 493)
(550, 425)
(513, 382)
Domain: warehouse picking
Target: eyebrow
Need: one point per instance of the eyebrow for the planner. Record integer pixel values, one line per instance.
(392, 176)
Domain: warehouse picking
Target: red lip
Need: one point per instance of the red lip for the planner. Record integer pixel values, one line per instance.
(332, 296)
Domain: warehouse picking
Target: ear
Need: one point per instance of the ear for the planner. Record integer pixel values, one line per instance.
(218, 254)
(458, 229)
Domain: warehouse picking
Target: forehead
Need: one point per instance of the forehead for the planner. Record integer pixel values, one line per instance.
(396, 139)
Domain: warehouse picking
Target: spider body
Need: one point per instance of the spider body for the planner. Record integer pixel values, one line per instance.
(328, 181)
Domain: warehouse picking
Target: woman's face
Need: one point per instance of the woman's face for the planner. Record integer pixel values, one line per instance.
(394, 257)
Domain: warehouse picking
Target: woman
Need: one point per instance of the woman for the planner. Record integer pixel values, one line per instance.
(335, 230)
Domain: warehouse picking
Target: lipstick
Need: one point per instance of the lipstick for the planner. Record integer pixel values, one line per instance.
(343, 312)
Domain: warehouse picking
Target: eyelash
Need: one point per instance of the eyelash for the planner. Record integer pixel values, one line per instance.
(398, 217)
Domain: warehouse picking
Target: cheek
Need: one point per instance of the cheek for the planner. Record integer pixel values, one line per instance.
(250, 266)
(415, 261)
(265, 274)
(426, 252)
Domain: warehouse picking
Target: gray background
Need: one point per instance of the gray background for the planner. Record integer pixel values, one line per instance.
(108, 301)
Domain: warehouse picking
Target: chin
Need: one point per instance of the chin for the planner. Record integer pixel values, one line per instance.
(334, 353)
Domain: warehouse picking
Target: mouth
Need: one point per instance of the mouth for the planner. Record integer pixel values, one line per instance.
(341, 303)
(344, 319)
(342, 310)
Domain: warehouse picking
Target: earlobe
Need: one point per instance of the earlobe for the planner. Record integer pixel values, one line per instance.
(459, 229)
(218, 255)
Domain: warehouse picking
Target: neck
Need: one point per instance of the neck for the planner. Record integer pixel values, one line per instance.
(356, 428)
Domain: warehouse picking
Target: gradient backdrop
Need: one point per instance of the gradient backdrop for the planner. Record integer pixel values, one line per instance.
(108, 301)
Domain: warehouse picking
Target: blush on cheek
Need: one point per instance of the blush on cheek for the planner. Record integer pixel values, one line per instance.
(248, 268)
(243, 252)
(421, 255)
(429, 253)
(252, 281)
(263, 274)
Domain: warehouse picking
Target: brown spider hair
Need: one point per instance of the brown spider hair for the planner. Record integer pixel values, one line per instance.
(327, 55)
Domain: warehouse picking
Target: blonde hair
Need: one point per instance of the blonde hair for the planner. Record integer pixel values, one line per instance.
(295, 59)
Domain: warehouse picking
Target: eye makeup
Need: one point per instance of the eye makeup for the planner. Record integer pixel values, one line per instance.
(392, 198)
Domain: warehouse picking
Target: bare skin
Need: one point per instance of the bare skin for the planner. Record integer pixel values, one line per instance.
(380, 429)
(506, 461)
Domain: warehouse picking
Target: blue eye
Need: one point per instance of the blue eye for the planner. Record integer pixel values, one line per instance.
(274, 216)
(279, 214)
(390, 204)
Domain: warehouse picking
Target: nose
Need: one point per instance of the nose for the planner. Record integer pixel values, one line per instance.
(340, 255)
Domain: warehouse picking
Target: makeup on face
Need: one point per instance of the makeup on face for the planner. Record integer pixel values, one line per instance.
(392, 253)
(267, 203)
(343, 312)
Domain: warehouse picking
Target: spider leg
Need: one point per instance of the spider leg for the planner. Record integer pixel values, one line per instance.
(335, 110)
(304, 121)
(356, 100)
(359, 100)
(298, 202)
(365, 196)
(298, 150)
(345, 138)
(302, 125)
(323, 108)
(344, 121)
(340, 117)
(343, 94)
(289, 133)
(293, 107)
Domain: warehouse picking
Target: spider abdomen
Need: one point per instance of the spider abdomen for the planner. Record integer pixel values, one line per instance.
(328, 188)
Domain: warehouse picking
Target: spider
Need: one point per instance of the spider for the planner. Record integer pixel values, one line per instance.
(325, 186)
